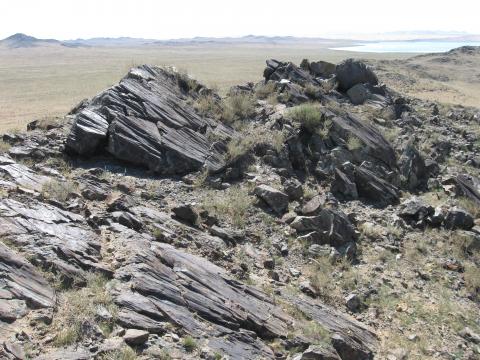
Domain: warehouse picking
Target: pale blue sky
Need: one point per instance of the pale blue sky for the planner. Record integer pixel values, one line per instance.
(68, 19)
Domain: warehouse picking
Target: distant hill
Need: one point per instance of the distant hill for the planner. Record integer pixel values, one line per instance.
(25, 41)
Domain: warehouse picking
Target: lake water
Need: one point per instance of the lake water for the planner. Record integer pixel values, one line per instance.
(407, 46)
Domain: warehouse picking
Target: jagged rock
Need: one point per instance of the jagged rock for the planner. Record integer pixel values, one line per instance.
(318, 352)
(293, 188)
(353, 302)
(21, 286)
(344, 186)
(53, 238)
(186, 212)
(373, 145)
(128, 220)
(331, 227)
(415, 210)
(22, 175)
(413, 169)
(351, 72)
(70, 353)
(458, 219)
(274, 198)
(229, 235)
(314, 205)
(375, 189)
(469, 187)
(136, 337)
(148, 121)
(278, 71)
(322, 69)
(351, 339)
(361, 93)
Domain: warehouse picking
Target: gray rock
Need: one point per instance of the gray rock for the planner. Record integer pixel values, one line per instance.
(293, 188)
(358, 94)
(322, 69)
(22, 175)
(274, 198)
(21, 286)
(229, 235)
(332, 226)
(136, 337)
(351, 72)
(375, 189)
(458, 219)
(353, 302)
(413, 169)
(317, 352)
(147, 120)
(186, 212)
(344, 186)
(314, 205)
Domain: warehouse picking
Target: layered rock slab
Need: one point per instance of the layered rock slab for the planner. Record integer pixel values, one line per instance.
(148, 119)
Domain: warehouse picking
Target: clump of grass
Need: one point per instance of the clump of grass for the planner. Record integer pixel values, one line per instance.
(124, 353)
(265, 90)
(4, 146)
(189, 344)
(238, 107)
(308, 115)
(316, 333)
(253, 136)
(185, 81)
(311, 91)
(58, 190)
(231, 205)
(77, 307)
(321, 278)
(208, 105)
(353, 143)
(472, 280)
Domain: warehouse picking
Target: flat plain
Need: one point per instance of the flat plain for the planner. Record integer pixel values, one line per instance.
(47, 81)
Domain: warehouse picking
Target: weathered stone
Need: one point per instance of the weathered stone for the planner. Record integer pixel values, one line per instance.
(332, 225)
(147, 120)
(322, 68)
(22, 175)
(293, 188)
(344, 186)
(317, 352)
(55, 239)
(458, 219)
(135, 337)
(274, 198)
(186, 212)
(21, 286)
(351, 72)
(314, 205)
(413, 169)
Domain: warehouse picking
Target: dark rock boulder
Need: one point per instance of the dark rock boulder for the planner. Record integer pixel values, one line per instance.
(278, 71)
(330, 227)
(458, 219)
(413, 169)
(469, 187)
(375, 189)
(274, 198)
(322, 69)
(148, 120)
(351, 72)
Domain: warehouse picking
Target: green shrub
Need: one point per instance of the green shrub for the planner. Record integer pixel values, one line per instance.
(353, 143)
(308, 115)
(125, 353)
(189, 344)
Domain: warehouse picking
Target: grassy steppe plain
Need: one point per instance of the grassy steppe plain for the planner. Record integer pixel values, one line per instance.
(48, 81)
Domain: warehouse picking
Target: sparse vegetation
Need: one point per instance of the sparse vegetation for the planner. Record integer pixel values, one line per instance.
(79, 307)
(125, 353)
(264, 91)
(238, 107)
(4, 146)
(58, 190)
(252, 137)
(231, 204)
(353, 143)
(189, 344)
(208, 105)
(308, 115)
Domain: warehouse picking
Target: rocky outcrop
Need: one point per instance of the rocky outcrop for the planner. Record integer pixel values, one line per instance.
(148, 120)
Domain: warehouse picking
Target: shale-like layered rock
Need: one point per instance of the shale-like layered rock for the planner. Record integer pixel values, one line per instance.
(148, 119)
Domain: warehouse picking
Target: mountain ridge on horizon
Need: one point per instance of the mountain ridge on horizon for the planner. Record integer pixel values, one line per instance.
(21, 40)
